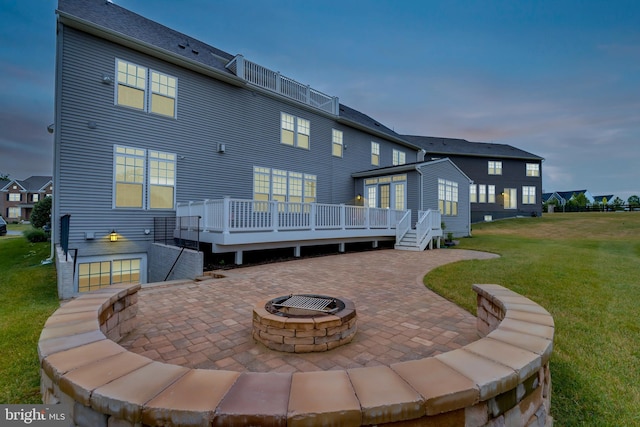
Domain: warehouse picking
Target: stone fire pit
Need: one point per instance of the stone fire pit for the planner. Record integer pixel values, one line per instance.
(304, 323)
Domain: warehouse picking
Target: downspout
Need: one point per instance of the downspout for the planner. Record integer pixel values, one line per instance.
(421, 188)
(469, 204)
(55, 206)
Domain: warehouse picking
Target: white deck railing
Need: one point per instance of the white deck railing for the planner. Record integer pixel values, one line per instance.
(236, 215)
(427, 221)
(275, 82)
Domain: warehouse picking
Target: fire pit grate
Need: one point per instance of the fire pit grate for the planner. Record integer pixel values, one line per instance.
(306, 303)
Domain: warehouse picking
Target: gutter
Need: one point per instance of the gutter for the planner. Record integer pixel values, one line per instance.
(144, 47)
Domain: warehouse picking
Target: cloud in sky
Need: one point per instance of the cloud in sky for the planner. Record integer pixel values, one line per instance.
(556, 78)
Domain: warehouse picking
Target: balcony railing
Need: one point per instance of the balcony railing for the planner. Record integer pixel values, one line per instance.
(275, 82)
(237, 215)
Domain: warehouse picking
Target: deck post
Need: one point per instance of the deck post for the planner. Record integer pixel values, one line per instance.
(274, 216)
(312, 219)
(226, 214)
(343, 217)
(205, 216)
(367, 218)
(296, 251)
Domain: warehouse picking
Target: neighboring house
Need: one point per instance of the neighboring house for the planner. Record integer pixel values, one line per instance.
(561, 198)
(153, 126)
(17, 197)
(604, 199)
(507, 181)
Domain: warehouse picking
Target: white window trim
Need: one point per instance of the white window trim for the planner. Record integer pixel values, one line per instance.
(110, 258)
(375, 151)
(146, 180)
(303, 179)
(448, 197)
(528, 196)
(337, 139)
(399, 157)
(148, 92)
(296, 130)
(532, 170)
(492, 167)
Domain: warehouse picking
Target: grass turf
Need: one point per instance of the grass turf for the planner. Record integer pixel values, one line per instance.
(28, 296)
(584, 269)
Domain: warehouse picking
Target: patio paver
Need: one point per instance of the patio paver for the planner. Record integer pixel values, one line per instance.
(208, 324)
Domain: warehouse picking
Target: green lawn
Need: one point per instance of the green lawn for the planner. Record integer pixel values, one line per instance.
(28, 296)
(584, 268)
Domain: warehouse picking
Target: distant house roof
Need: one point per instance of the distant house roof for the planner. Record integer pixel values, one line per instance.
(569, 194)
(449, 146)
(130, 29)
(599, 199)
(33, 184)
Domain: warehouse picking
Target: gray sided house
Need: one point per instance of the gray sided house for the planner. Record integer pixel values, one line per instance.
(154, 127)
(507, 181)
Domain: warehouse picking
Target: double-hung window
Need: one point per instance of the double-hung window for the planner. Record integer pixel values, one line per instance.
(491, 193)
(399, 157)
(15, 197)
(528, 195)
(132, 85)
(533, 169)
(495, 167)
(162, 180)
(336, 143)
(145, 90)
(144, 179)
(482, 193)
(295, 131)
(473, 193)
(163, 94)
(129, 177)
(448, 197)
(375, 153)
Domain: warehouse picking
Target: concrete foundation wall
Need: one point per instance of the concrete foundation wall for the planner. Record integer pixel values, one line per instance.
(189, 263)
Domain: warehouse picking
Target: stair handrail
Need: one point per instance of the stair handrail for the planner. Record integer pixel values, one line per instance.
(423, 226)
(403, 226)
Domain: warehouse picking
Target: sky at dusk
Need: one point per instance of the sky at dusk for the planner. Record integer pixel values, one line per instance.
(559, 79)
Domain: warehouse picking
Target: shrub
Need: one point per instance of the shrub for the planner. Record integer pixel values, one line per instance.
(36, 235)
(41, 214)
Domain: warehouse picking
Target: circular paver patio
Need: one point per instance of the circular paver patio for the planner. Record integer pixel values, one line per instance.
(209, 324)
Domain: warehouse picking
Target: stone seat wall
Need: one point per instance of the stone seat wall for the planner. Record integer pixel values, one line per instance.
(501, 379)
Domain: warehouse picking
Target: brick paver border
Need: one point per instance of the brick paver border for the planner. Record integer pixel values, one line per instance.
(501, 379)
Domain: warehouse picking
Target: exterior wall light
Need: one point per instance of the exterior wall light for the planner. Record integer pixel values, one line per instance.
(359, 197)
(113, 236)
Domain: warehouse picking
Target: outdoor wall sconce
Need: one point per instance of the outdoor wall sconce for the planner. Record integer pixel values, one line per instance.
(113, 236)
(359, 197)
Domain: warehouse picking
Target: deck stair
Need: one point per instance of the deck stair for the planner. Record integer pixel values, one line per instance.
(426, 234)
